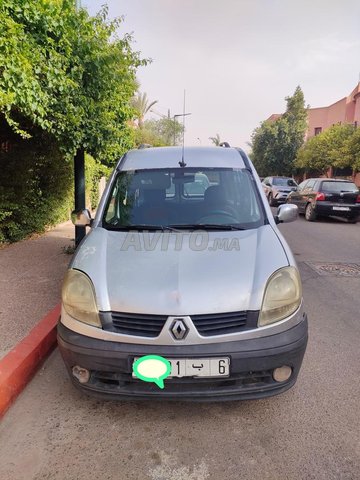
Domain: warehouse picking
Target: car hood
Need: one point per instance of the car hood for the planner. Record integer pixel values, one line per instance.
(161, 278)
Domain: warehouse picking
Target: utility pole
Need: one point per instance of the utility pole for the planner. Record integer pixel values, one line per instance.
(79, 190)
(79, 179)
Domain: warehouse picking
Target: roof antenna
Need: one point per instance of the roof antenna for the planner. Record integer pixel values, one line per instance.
(182, 163)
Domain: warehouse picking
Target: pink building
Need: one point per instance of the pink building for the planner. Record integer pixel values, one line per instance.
(346, 110)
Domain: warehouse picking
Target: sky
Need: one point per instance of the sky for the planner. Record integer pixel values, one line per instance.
(237, 60)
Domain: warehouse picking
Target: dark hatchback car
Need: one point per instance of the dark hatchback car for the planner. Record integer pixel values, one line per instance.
(277, 189)
(324, 197)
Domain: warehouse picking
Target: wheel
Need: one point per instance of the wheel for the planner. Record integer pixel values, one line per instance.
(272, 202)
(310, 215)
(353, 220)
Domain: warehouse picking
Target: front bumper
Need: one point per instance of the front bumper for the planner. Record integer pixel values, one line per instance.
(251, 364)
(281, 197)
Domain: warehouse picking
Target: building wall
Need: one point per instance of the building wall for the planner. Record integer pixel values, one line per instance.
(346, 110)
(357, 109)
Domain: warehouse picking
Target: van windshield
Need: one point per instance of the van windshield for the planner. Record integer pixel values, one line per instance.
(183, 197)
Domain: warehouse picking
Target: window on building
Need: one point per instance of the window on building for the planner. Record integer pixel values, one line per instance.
(317, 130)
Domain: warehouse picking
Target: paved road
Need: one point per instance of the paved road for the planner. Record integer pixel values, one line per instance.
(310, 432)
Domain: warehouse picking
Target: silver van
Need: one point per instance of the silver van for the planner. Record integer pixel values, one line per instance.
(199, 278)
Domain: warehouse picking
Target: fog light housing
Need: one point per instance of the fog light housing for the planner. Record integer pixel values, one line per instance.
(282, 374)
(81, 374)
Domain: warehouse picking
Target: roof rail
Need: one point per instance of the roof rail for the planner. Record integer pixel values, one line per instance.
(144, 145)
(224, 144)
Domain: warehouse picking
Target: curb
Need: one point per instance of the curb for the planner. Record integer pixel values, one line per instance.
(20, 364)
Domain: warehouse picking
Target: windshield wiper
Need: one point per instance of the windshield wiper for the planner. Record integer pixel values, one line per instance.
(207, 226)
(144, 226)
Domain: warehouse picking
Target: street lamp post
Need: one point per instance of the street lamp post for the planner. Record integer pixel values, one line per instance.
(174, 117)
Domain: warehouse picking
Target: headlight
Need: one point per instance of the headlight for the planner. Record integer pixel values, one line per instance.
(282, 296)
(78, 298)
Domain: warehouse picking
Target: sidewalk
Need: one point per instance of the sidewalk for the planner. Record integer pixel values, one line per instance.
(31, 274)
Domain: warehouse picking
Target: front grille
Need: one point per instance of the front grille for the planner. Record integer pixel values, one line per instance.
(220, 323)
(144, 325)
(138, 324)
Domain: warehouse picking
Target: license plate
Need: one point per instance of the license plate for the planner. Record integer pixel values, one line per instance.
(341, 209)
(199, 367)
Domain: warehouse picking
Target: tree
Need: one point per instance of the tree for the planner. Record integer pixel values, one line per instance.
(216, 140)
(68, 74)
(142, 106)
(66, 80)
(275, 144)
(261, 155)
(159, 133)
(351, 150)
(331, 148)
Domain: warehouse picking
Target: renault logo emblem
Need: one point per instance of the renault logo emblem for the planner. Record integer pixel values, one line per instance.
(179, 329)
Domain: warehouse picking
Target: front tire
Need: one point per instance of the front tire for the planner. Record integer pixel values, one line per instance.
(310, 215)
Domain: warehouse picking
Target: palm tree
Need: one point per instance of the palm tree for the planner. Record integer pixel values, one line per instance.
(216, 140)
(142, 105)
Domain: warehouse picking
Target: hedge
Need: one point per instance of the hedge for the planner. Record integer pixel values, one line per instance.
(36, 187)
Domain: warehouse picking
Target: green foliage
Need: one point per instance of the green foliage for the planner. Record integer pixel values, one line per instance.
(93, 173)
(159, 133)
(333, 147)
(351, 150)
(142, 106)
(67, 73)
(35, 188)
(66, 80)
(215, 140)
(275, 144)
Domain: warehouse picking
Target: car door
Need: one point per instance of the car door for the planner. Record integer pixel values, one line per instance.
(295, 197)
(308, 194)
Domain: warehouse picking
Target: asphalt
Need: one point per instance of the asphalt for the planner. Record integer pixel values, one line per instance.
(311, 432)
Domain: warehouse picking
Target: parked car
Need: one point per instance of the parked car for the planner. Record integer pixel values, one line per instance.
(324, 197)
(204, 282)
(277, 189)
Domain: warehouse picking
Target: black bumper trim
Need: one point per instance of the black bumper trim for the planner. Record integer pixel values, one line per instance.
(252, 356)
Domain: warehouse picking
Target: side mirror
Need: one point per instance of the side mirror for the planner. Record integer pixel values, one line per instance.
(287, 213)
(81, 218)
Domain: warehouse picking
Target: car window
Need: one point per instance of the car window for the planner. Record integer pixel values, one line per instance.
(310, 184)
(284, 182)
(182, 196)
(198, 186)
(302, 185)
(339, 187)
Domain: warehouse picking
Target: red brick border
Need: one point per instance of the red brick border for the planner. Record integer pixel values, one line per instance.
(20, 364)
